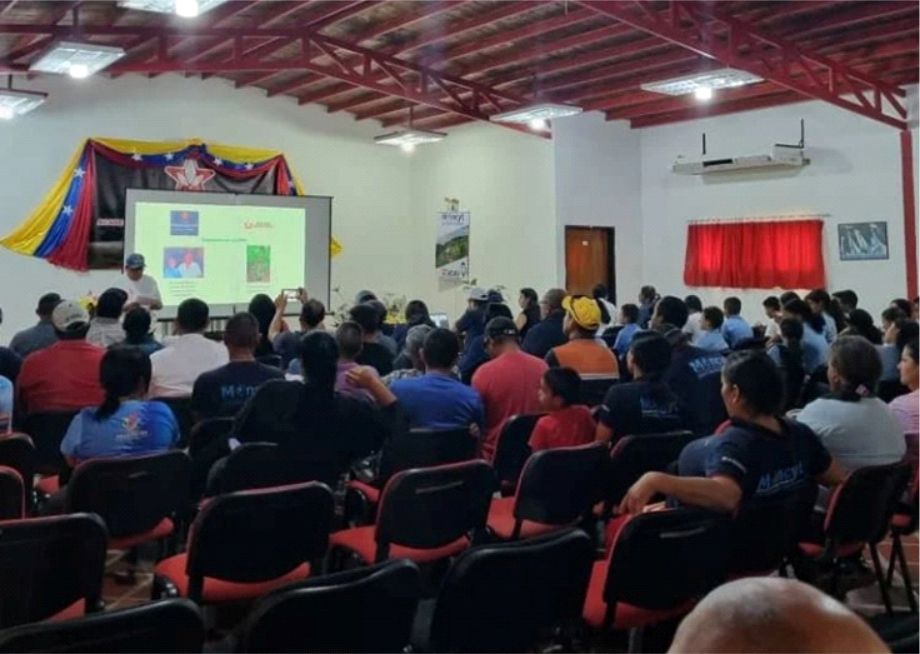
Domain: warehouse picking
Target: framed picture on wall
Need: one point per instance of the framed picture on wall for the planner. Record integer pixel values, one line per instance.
(863, 241)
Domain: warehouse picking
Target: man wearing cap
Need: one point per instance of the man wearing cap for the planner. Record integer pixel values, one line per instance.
(65, 375)
(583, 353)
(472, 322)
(142, 289)
(508, 383)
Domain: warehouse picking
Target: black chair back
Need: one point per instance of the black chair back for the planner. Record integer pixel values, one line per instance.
(172, 625)
(12, 495)
(500, 598)
(633, 456)
(48, 564)
(363, 610)
(560, 485)
(512, 449)
(861, 507)
(273, 360)
(593, 389)
(430, 507)
(18, 452)
(131, 494)
(257, 535)
(206, 432)
(765, 530)
(663, 558)
(424, 448)
(182, 410)
(47, 431)
(253, 465)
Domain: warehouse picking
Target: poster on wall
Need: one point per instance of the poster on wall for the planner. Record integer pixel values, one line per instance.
(863, 241)
(452, 251)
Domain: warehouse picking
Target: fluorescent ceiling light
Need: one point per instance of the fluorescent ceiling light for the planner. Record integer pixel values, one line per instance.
(16, 103)
(542, 111)
(78, 60)
(703, 93)
(184, 8)
(723, 78)
(409, 138)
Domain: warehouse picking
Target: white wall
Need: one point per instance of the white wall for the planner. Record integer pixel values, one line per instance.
(333, 154)
(505, 179)
(598, 178)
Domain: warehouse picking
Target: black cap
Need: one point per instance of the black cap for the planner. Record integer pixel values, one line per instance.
(498, 327)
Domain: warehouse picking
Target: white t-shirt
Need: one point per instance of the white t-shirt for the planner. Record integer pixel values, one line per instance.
(693, 328)
(145, 287)
(178, 364)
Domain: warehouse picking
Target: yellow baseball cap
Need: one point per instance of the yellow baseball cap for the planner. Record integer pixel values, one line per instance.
(584, 311)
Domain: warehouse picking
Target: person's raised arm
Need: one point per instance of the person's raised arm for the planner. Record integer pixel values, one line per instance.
(367, 378)
(274, 327)
(718, 493)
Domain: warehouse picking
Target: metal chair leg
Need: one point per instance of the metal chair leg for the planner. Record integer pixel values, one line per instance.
(635, 639)
(898, 551)
(883, 587)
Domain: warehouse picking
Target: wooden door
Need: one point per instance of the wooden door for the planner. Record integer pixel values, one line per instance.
(589, 259)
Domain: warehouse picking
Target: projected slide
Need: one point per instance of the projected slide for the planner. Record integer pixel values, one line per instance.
(223, 254)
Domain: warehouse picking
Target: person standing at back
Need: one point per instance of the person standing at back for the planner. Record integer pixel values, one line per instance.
(530, 311)
(583, 353)
(735, 329)
(142, 289)
(223, 391)
(185, 356)
(508, 383)
(65, 375)
(548, 333)
(40, 335)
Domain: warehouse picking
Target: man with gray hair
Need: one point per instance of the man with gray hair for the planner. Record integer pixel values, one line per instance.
(409, 363)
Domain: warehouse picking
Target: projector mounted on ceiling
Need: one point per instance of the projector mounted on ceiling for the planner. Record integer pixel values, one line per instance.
(79, 60)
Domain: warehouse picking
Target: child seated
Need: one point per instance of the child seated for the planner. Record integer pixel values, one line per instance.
(711, 339)
(566, 423)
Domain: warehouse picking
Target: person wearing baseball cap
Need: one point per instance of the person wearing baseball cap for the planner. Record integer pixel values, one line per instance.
(583, 352)
(65, 375)
(473, 320)
(142, 289)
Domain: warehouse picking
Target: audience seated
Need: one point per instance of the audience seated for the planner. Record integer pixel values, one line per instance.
(10, 362)
(645, 405)
(855, 426)
(409, 363)
(583, 352)
(609, 314)
(648, 297)
(187, 355)
(530, 311)
(40, 335)
(695, 378)
(693, 326)
(136, 325)
(859, 323)
(548, 333)
(286, 343)
(373, 352)
(757, 455)
(350, 338)
(105, 328)
(629, 318)
(773, 309)
(507, 383)
(788, 355)
(822, 305)
(712, 339)
(262, 308)
(566, 423)
(383, 329)
(416, 313)
(763, 614)
(437, 399)
(814, 344)
(124, 423)
(847, 300)
(474, 354)
(735, 329)
(907, 407)
(63, 376)
(316, 427)
(222, 392)
(473, 321)
(905, 306)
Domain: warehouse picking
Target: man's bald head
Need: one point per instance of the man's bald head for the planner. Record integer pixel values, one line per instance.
(773, 615)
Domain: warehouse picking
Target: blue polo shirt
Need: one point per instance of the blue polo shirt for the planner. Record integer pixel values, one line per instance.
(814, 348)
(135, 428)
(438, 401)
(624, 338)
(735, 329)
(711, 341)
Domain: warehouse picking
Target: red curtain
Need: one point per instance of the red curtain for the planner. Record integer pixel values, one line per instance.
(784, 254)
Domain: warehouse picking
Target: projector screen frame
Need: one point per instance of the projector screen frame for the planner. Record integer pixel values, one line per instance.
(317, 248)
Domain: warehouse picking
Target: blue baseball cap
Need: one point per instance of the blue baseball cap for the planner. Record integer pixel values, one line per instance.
(135, 262)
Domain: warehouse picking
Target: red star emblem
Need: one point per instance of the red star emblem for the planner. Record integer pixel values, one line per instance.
(188, 176)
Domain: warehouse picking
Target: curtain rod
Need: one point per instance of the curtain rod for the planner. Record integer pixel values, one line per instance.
(746, 219)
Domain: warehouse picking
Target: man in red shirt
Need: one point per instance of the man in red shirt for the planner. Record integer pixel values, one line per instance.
(508, 384)
(65, 375)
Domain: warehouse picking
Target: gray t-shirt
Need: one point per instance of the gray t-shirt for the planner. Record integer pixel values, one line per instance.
(34, 338)
(858, 434)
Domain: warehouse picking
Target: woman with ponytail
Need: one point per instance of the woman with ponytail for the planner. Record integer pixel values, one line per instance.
(124, 424)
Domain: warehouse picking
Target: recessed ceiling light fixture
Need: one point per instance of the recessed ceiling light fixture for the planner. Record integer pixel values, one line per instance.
(15, 103)
(183, 8)
(536, 115)
(711, 80)
(79, 60)
(407, 139)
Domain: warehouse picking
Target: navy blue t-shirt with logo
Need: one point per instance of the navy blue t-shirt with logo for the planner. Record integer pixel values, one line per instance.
(695, 376)
(760, 461)
(641, 407)
(223, 391)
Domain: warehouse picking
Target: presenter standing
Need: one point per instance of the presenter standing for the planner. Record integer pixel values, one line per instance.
(142, 289)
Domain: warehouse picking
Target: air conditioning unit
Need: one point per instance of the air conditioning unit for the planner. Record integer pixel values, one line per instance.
(783, 156)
